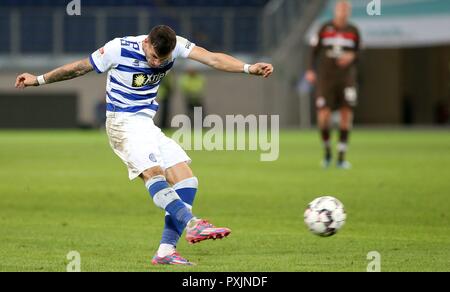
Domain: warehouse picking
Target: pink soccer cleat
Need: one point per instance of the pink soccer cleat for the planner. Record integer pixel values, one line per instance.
(173, 259)
(203, 230)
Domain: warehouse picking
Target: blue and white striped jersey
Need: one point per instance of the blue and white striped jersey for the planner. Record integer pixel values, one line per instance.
(132, 84)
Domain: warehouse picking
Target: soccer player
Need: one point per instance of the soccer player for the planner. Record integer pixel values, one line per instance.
(334, 54)
(136, 66)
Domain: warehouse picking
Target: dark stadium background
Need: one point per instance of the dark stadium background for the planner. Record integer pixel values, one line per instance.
(400, 83)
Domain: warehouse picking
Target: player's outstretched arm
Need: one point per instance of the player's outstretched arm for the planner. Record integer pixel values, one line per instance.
(228, 63)
(66, 72)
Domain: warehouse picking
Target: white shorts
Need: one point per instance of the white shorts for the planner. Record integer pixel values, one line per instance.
(140, 144)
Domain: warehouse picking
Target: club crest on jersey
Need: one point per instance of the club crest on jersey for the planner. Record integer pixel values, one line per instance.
(141, 80)
(152, 157)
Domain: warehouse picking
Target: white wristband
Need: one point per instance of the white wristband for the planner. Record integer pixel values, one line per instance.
(41, 80)
(247, 68)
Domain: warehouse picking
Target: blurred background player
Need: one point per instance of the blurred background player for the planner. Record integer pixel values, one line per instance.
(332, 67)
(192, 86)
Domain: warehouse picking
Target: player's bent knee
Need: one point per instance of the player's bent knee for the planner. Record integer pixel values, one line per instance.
(151, 173)
(178, 173)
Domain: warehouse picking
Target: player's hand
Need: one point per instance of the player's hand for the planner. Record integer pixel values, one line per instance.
(346, 59)
(311, 76)
(261, 69)
(25, 80)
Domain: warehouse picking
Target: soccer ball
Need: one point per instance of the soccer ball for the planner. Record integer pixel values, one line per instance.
(325, 216)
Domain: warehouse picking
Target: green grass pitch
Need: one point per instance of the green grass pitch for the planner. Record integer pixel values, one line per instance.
(62, 191)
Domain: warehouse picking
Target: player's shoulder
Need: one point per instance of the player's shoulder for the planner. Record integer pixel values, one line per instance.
(113, 45)
(117, 46)
(183, 42)
(138, 38)
(183, 47)
(127, 41)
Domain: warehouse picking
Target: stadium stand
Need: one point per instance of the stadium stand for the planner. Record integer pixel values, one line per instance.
(234, 25)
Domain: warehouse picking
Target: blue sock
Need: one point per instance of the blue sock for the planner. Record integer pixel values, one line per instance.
(167, 199)
(179, 213)
(187, 190)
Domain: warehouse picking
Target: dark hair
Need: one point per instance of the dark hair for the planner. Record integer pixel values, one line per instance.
(163, 39)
